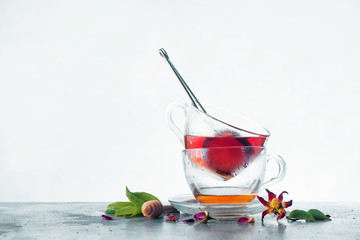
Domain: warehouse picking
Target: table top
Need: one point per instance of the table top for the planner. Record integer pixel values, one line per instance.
(84, 221)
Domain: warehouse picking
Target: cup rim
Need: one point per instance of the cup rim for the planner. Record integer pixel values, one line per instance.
(229, 147)
(264, 131)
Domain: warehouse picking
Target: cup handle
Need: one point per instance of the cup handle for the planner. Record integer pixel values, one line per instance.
(281, 174)
(170, 122)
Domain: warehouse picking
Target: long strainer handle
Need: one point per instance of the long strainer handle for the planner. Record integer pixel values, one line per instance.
(191, 95)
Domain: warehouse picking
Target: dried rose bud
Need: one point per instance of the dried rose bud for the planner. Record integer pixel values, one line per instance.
(246, 220)
(202, 217)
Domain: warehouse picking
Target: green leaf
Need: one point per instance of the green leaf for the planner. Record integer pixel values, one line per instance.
(125, 211)
(301, 215)
(318, 215)
(119, 205)
(137, 210)
(139, 197)
(132, 208)
(146, 196)
(110, 211)
(120, 208)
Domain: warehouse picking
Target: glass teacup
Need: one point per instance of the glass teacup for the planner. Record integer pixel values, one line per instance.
(227, 175)
(220, 129)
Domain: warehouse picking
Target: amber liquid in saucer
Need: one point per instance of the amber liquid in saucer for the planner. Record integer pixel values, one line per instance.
(225, 199)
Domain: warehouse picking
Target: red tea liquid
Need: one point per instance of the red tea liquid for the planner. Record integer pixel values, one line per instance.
(223, 141)
(222, 160)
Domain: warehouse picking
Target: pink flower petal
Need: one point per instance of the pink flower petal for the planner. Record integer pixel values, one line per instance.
(104, 217)
(271, 195)
(190, 220)
(171, 217)
(265, 203)
(282, 213)
(264, 213)
(281, 195)
(287, 204)
(246, 220)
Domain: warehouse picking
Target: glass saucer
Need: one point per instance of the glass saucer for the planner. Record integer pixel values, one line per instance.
(187, 203)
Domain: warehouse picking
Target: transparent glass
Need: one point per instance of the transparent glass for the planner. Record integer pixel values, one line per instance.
(229, 174)
(218, 123)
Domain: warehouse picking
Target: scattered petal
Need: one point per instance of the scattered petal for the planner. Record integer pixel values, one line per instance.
(190, 220)
(202, 217)
(171, 217)
(246, 220)
(104, 217)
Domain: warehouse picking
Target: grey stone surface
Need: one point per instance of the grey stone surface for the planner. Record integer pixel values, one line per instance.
(83, 221)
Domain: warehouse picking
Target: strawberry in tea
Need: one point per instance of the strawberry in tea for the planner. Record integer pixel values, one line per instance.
(224, 161)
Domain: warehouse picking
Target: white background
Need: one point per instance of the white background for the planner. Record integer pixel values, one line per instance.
(83, 92)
